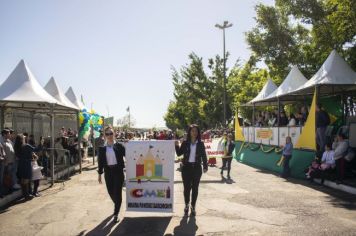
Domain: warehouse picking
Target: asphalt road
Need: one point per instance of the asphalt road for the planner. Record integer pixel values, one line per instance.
(253, 203)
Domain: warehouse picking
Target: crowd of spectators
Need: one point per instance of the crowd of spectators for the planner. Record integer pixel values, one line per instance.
(276, 118)
(23, 161)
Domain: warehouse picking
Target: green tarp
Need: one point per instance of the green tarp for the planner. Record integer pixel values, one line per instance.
(267, 158)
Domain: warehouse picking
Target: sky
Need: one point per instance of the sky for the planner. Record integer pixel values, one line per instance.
(119, 53)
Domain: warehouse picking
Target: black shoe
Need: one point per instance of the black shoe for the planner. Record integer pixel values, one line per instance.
(29, 197)
(192, 211)
(228, 177)
(186, 209)
(116, 219)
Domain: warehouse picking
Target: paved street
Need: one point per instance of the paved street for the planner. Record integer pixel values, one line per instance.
(256, 203)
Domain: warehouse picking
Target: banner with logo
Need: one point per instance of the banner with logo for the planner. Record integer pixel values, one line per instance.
(214, 147)
(150, 176)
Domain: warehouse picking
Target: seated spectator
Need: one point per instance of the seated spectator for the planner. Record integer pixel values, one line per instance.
(327, 162)
(283, 120)
(340, 147)
(299, 119)
(266, 118)
(304, 114)
(292, 120)
(259, 122)
(272, 120)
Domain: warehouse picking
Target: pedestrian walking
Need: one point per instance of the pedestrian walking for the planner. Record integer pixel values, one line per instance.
(229, 147)
(193, 151)
(287, 153)
(111, 163)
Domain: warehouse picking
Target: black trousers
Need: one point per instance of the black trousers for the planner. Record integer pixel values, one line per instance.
(114, 179)
(226, 162)
(286, 168)
(191, 175)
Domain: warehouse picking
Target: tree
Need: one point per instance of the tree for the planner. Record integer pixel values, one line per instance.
(245, 82)
(198, 98)
(303, 33)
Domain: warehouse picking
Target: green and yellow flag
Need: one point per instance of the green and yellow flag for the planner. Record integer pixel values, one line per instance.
(307, 138)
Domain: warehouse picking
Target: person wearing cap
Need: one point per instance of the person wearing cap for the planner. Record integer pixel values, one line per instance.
(11, 162)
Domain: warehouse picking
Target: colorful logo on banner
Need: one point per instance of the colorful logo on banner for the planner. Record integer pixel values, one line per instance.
(149, 168)
(150, 176)
(264, 134)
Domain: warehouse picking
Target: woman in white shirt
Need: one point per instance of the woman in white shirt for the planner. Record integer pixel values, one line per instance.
(193, 151)
(111, 163)
(292, 121)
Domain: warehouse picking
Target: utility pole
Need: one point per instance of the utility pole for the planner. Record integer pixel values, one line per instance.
(223, 27)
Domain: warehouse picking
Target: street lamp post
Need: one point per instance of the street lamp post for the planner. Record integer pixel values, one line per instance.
(223, 27)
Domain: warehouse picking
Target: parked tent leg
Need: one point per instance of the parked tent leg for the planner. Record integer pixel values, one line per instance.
(253, 115)
(278, 115)
(79, 144)
(2, 117)
(93, 143)
(52, 145)
(32, 115)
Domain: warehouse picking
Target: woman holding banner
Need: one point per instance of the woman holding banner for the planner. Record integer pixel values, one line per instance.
(111, 163)
(193, 151)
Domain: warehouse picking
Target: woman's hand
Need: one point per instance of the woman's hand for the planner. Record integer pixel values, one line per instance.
(99, 179)
(176, 143)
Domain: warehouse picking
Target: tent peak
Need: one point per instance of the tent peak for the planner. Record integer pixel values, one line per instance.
(53, 89)
(21, 85)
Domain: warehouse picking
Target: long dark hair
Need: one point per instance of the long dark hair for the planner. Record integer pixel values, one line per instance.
(190, 129)
(18, 145)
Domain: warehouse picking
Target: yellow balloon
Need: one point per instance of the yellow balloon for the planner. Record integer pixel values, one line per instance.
(81, 119)
(100, 122)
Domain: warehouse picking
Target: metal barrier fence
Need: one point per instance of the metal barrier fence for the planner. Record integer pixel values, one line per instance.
(62, 162)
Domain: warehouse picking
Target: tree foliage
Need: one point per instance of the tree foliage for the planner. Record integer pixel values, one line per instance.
(292, 32)
(198, 97)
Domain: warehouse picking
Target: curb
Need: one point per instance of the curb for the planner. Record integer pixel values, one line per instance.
(341, 187)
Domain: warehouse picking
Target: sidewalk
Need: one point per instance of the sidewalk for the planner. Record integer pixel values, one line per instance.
(45, 184)
(334, 185)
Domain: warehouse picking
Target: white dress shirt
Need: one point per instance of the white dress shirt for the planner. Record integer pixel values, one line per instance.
(110, 156)
(193, 151)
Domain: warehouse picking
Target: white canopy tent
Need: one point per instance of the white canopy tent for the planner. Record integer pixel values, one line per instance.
(334, 76)
(53, 89)
(267, 89)
(73, 98)
(292, 82)
(21, 91)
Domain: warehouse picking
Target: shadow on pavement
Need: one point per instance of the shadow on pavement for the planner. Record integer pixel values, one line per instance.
(335, 197)
(218, 181)
(187, 227)
(132, 226)
(89, 168)
(103, 228)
